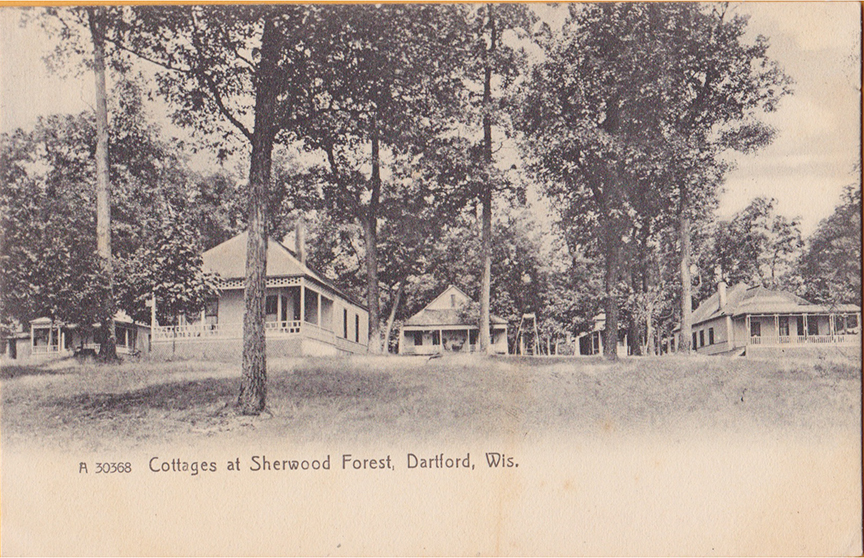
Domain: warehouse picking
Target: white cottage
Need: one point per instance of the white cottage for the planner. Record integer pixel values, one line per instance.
(442, 326)
(306, 313)
(759, 321)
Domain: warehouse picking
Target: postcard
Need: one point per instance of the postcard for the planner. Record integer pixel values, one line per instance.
(431, 279)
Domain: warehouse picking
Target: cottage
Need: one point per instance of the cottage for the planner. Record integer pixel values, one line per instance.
(443, 326)
(591, 342)
(48, 339)
(306, 313)
(759, 321)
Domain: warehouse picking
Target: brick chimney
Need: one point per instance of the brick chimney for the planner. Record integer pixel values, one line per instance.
(300, 239)
(721, 293)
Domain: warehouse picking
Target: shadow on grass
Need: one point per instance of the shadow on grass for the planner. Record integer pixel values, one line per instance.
(8, 372)
(212, 396)
(177, 396)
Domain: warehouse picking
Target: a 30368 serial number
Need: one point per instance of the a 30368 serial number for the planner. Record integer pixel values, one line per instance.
(108, 468)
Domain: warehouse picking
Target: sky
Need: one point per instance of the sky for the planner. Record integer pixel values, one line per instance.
(805, 169)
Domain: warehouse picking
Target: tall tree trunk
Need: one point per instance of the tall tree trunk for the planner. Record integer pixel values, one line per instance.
(610, 305)
(370, 234)
(253, 385)
(686, 288)
(108, 341)
(486, 194)
(392, 317)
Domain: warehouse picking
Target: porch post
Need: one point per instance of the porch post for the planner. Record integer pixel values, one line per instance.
(748, 332)
(50, 335)
(153, 322)
(777, 327)
(302, 301)
(319, 309)
(441, 340)
(730, 333)
(32, 338)
(278, 308)
(599, 342)
(831, 325)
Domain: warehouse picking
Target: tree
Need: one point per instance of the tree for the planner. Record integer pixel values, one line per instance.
(97, 20)
(714, 91)
(389, 89)
(491, 59)
(830, 266)
(757, 246)
(238, 72)
(48, 264)
(590, 127)
(649, 95)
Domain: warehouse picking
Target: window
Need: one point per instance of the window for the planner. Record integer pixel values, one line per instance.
(356, 328)
(710, 335)
(694, 340)
(812, 325)
(783, 326)
(755, 328)
(418, 338)
(311, 306)
(211, 311)
(472, 336)
(852, 321)
(345, 323)
(453, 301)
(272, 308)
(125, 336)
(800, 321)
(436, 337)
(701, 337)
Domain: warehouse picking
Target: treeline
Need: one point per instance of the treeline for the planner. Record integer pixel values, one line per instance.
(410, 137)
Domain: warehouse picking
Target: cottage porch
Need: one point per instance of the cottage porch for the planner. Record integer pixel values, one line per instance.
(776, 330)
(296, 310)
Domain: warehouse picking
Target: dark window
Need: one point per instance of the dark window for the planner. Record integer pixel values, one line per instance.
(472, 336)
(272, 305)
(211, 311)
(694, 340)
(783, 325)
(710, 335)
(701, 337)
(852, 321)
(418, 338)
(345, 323)
(812, 325)
(436, 338)
(755, 328)
(452, 300)
(800, 321)
(311, 306)
(357, 328)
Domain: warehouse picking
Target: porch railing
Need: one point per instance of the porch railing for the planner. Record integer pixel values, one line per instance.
(850, 339)
(288, 328)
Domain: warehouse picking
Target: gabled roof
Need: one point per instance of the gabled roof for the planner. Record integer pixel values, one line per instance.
(447, 316)
(741, 300)
(229, 261)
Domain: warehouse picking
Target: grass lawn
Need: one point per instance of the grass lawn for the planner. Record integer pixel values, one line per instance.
(648, 456)
(382, 399)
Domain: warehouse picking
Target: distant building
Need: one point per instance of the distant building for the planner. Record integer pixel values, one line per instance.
(46, 339)
(442, 326)
(306, 313)
(759, 321)
(591, 342)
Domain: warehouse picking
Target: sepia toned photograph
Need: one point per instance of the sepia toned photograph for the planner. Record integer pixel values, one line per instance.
(431, 279)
